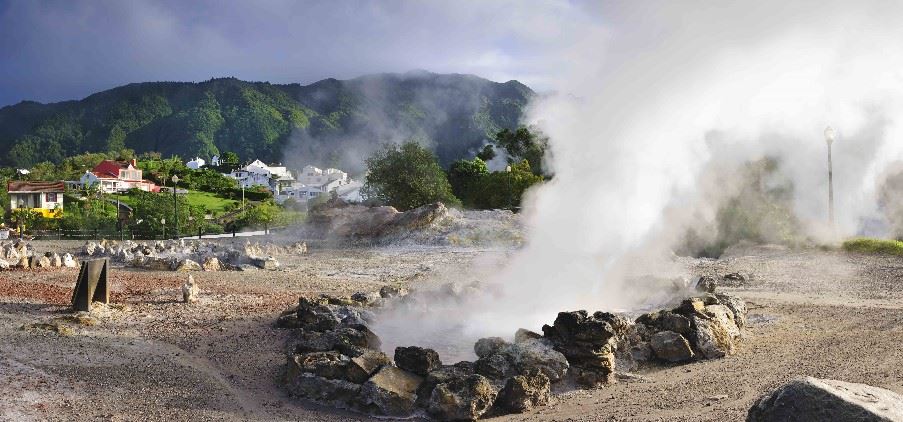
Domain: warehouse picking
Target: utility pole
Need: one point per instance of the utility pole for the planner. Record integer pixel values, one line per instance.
(829, 139)
(175, 206)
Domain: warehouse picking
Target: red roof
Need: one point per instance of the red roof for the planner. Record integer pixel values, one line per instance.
(110, 168)
(34, 186)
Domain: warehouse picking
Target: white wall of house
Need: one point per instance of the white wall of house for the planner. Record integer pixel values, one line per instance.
(45, 200)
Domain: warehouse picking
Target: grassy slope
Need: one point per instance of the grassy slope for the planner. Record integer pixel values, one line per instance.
(870, 245)
(210, 202)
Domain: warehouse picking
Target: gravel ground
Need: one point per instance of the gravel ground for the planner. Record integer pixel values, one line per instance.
(149, 357)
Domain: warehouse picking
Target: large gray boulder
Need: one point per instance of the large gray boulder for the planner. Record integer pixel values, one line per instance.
(813, 399)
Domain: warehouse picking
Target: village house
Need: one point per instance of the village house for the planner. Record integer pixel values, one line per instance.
(43, 197)
(313, 182)
(117, 176)
(276, 178)
(195, 164)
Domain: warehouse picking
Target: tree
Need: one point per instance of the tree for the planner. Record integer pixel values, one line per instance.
(406, 177)
(487, 153)
(466, 177)
(524, 144)
(505, 189)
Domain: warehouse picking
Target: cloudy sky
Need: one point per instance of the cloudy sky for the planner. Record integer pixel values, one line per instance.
(58, 50)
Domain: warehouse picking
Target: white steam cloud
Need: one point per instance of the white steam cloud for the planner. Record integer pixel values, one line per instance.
(661, 90)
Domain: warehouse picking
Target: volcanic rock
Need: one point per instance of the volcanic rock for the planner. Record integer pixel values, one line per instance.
(488, 346)
(329, 365)
(813, 399)
(388, 292)
(497, 366)
(390, 392)
(190, 291)
(90, 248)
(69, 261)
(24, 262)
(188, 265)
(737, 307)
(314, 316)
(55, 260)
(211, 263)
(462, 398)
(350, 341)
(522, 393)
(360, 368)
(671, 346)
(265, 263)
(666, 321)
(588, 343)
(706, 284)
(713, 339)
(523, 335)
(440, 376)
(42, 262)
(4, 265)
(641, 352)
(417, 360)
(334, 392)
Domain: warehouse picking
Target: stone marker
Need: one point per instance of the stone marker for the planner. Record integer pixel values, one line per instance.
(813, 399)
(92, 285)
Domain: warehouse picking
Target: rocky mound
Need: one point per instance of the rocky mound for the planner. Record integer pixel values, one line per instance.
(188, 255)
(335, 359)
(432, 224)
(22, 255)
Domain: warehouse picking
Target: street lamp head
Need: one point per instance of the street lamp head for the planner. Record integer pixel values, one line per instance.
(175, 178)
(829, 135)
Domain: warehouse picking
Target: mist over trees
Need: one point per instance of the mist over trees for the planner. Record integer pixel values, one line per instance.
(331, 122)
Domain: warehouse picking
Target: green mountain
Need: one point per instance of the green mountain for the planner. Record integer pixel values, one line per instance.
(330, 122)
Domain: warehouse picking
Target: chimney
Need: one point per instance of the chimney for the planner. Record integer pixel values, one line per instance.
(133, 162)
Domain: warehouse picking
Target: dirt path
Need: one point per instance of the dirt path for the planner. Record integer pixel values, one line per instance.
(811, 313)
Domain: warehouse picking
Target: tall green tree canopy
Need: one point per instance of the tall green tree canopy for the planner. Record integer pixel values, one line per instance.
(406, 177)
(524, 144)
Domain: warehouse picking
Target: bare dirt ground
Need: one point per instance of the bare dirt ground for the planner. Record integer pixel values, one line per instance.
(824, 314)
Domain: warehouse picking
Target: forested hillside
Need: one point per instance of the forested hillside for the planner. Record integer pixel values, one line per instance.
(330, 122)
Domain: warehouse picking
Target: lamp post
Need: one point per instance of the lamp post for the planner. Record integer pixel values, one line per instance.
(175, 206)
(830, 135)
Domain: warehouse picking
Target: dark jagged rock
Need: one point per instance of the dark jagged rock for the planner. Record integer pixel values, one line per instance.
(417, 360)
(337, 393)
(316, 316)
(351, 341)
(813, 399)
(706, 284)
(522, 393)
(497, 366)
(462, 398)
(666, 321)
(588, 343)
(440, 376)
(390, 392)
(508, 360)
(670, 346)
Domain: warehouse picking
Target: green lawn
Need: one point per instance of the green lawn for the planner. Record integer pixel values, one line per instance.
(209, 201)
(870, 245)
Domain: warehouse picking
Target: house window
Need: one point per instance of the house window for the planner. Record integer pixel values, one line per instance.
(50, 197)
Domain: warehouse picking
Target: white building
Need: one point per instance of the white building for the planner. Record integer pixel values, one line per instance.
(259, 174)
(117, 176)
(313, 182)
(214, 161)
(195, 164)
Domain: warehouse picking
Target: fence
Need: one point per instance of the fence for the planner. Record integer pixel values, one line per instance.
(131, 234)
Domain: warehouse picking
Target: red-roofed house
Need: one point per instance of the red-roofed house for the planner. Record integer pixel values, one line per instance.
(118, 176)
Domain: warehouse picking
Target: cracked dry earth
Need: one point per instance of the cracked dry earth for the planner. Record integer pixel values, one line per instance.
(824, 314)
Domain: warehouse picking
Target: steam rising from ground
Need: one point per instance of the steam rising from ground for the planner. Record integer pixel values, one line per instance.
(661, 92)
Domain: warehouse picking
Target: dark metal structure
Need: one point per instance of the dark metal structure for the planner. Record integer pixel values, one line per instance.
(91, 285)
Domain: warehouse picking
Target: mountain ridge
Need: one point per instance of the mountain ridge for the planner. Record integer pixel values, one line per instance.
(328, 122)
